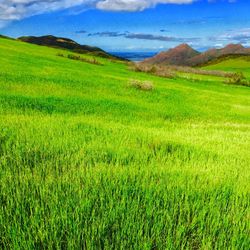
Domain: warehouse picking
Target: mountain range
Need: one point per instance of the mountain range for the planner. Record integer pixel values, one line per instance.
(184, 55)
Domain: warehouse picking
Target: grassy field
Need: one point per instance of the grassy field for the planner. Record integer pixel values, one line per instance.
(89, 162)
(238, 64)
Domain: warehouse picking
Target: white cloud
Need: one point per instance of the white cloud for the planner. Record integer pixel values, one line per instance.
(240, 36)
(17, 9)
(135, 5)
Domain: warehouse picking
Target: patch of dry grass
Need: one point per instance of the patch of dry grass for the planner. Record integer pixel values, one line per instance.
(141, 85)
(79, 58)
(171, 70)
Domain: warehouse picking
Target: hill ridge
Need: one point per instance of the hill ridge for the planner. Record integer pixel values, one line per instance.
(66, 43)
(185, 55)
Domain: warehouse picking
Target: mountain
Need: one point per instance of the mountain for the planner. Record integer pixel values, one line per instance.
(65, 43)
(184, 55)
(212, 54)
(239, 62)
(179, 55)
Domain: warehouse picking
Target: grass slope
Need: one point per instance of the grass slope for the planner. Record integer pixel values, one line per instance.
(232, 64)
(87, 162)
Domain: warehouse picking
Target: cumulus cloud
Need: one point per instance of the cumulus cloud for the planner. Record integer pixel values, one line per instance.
(135, 5)
(17, 9)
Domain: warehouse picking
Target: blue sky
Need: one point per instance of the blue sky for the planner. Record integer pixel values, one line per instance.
(131, 25)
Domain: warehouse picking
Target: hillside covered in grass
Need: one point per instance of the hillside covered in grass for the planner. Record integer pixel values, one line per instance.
(233, 63)
(66, 44)
(90, 161)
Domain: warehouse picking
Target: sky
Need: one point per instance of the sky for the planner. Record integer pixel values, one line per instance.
(131, 25)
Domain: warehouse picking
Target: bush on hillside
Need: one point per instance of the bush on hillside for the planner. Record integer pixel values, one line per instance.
(170, 71)
(60, 54)
(154, 69)
(237, 79)
(79, 58)
(141, 85)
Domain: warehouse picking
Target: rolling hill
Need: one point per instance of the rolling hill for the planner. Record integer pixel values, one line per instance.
(184, 55)
(5, 37)
(65, 43)
(231, 63)
(90, 161)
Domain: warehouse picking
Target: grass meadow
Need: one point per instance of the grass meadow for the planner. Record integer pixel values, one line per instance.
(237, 64)
(88, 162)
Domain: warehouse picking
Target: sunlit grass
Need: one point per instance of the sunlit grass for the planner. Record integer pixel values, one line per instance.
(88, 162)
(240, 64)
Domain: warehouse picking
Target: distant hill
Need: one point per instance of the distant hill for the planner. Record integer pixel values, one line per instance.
(6, 37)
(179, 55)
(213, 54)
(65, 43)
(230, 63)
(225, 58)
(184, 55)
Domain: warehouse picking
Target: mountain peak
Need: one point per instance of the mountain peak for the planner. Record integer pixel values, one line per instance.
(232, 49)
(183, 46)
(176, 56)
(234, 46)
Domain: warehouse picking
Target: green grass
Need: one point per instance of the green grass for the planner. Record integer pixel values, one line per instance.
(233, 64)
(87, 162)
